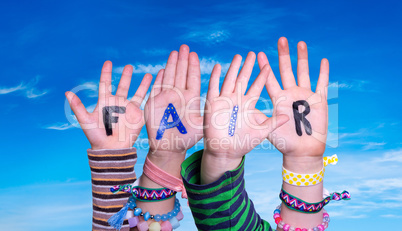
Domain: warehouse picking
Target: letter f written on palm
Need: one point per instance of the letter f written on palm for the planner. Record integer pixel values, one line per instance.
(116, 122)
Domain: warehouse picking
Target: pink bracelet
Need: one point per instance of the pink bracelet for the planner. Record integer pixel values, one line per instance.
(163, 178)
(287, 227)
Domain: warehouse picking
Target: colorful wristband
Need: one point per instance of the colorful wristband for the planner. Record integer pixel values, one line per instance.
(145, 194)
(130, 211)
(163, 178)
(308, 179)
(299, 205)
(287, 227)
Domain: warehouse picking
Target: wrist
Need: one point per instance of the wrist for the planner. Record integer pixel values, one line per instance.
(303, 164)
(168, 161)
(110, 146)
(213, 166)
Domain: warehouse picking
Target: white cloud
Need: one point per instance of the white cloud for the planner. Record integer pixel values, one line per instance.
(357, 85)
(74, 124)
(209, 36)
(391, 216)
(60, 127)
(373, 145)
(142, 69)
(207, 64)
(28, 89)
(32, 93)
(69, 207)
(391, 156)
(11, 89)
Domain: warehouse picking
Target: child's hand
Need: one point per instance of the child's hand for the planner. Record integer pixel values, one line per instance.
(116, 122)
(306, 132)
(172, 113)
(233, 126)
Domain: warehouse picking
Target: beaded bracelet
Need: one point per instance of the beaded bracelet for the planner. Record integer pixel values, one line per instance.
(145, 194)
(169, 221)
(299, 205)
(287, 227)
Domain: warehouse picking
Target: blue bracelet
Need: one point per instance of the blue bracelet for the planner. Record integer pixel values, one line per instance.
(164, 217)
(117, 219)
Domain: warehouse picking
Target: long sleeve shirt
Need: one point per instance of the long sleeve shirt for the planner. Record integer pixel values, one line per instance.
(223, 204)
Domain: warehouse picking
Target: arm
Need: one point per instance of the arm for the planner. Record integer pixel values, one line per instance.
(214, 177)
(111, 129)
(305, 134)
(173, 121)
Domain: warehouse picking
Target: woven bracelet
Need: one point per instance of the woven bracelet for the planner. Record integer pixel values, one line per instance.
(299, 205)
(145, 194)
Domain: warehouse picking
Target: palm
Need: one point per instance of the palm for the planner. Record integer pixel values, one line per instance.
(317, 117)
(248, 130)
(177, 85)
(191, 121)
(301, 144)
(251, 126)
(129, 124)
(125, 130)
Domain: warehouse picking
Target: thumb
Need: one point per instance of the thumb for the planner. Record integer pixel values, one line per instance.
(76, 105)
(273, 123)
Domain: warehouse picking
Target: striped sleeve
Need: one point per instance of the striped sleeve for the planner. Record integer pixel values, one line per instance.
(110, 168)
(223, 204)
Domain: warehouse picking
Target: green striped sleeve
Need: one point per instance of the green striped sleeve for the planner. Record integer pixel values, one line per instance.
(223, 204)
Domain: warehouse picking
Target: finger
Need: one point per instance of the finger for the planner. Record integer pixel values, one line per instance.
(270, 124)
(272, 84)
(182, 66)
(245, 73)
(258, 84)
(213, 88)
(125, 80)
(142, 89)
(76, 105)
(323, 79)
(303, 78)
(285, 66)
(170, 71)
(157, 87)
(194, 74)
(229, 82)
(105, 83)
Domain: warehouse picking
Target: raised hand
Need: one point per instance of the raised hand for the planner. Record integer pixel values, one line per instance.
(233, 126)
(305, 133)
(116, 121)
(173, 118)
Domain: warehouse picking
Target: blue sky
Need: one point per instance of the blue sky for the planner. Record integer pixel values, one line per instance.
(49, 47)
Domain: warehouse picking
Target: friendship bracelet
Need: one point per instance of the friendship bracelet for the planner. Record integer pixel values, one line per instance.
(169, 220)
(308, 179)
(145, 194)
(287, 227)
(299, 205)
(163, 178)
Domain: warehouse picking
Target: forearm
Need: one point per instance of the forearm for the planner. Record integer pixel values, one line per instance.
(214, 166)
(109, 168)
(313, 193)
(169, 163)
(222, 204)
